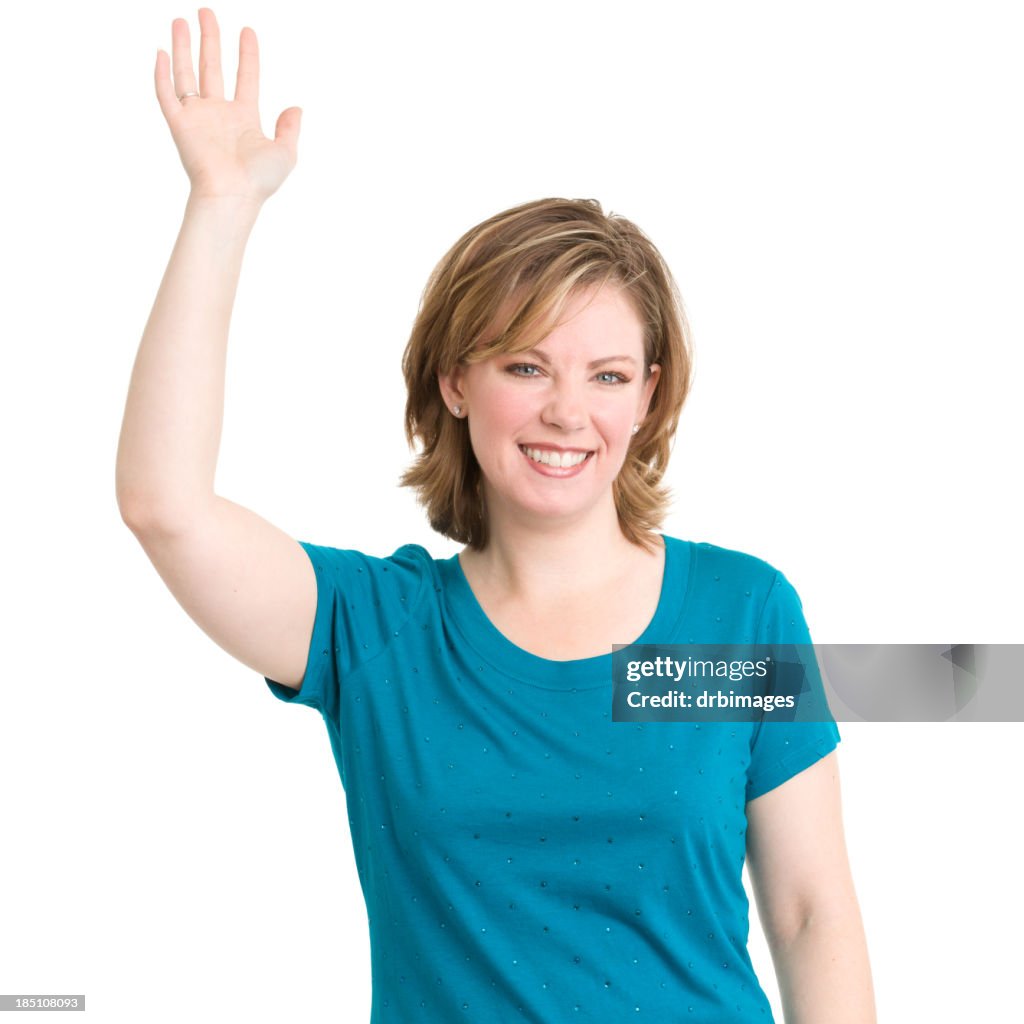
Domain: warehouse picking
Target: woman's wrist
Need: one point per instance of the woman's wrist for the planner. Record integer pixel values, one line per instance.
(227, 206)
(226, 221)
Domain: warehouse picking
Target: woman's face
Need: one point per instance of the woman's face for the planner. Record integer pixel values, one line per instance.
(572, 399)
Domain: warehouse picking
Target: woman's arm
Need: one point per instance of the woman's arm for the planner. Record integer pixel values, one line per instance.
(800, 873)
(170, 435)
(246, 583)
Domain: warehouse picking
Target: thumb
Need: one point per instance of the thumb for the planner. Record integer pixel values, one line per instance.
(287, 128)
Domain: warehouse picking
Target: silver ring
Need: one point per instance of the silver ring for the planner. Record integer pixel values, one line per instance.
(184, 94)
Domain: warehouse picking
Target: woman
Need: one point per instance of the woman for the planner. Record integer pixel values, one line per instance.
(522, 854)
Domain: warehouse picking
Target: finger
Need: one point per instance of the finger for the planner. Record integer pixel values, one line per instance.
(211, 81)
(165, 94)
(287, 128)
(181, 58)
(247, 85)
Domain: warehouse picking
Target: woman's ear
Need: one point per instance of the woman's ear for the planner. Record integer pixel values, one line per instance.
(647, 392)
(450, 385)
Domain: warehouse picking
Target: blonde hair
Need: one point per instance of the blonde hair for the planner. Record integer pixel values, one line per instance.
(524, 263)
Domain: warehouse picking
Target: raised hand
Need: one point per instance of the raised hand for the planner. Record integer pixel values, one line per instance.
(221, 145)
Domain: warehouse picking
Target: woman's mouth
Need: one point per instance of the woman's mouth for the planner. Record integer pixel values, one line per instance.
(552, 463)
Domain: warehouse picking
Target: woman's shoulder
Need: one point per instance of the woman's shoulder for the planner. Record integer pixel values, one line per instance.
(405, 554)
(728, 585)
(727, 565)
(401, 573)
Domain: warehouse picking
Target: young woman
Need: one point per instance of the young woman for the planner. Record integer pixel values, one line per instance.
(522, 854)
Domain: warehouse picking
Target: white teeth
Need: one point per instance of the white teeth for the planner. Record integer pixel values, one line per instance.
(558, 460)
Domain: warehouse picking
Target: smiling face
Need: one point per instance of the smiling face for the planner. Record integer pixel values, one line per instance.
(551, 426)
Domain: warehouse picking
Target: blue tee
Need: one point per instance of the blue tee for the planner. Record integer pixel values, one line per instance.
(522, 856)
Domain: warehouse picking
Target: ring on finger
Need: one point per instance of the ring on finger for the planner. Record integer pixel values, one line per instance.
(186, 94)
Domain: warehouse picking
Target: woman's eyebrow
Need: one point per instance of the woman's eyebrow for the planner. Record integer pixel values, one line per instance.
(544, 358)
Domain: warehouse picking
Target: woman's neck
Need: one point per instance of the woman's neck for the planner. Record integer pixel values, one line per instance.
(536, 563)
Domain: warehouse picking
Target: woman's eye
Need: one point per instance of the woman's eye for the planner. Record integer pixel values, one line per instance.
(522, 366)
(526, 370)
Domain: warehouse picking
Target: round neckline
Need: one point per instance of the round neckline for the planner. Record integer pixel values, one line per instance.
(500, 653)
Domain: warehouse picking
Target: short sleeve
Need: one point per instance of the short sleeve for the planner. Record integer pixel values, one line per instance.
(782, 749)
(363, 601)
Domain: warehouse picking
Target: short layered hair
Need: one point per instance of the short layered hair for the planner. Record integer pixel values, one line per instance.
(501, 288)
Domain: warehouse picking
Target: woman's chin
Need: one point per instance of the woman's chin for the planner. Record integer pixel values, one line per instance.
(548, 507)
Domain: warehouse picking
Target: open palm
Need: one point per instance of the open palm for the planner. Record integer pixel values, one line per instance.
(221, 144)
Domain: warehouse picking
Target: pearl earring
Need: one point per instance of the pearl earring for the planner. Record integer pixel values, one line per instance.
(456, 409)
(636, 427)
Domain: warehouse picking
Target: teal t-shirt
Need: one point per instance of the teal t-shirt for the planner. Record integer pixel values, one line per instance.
(522, 856)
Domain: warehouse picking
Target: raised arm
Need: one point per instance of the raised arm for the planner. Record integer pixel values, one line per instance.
(247, 584)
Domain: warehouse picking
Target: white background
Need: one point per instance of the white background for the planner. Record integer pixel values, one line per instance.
(837, 189)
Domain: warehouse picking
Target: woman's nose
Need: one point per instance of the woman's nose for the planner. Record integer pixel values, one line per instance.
(566, 408)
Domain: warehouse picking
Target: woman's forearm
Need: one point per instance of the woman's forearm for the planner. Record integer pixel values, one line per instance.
(170, 434)
(824, 973)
